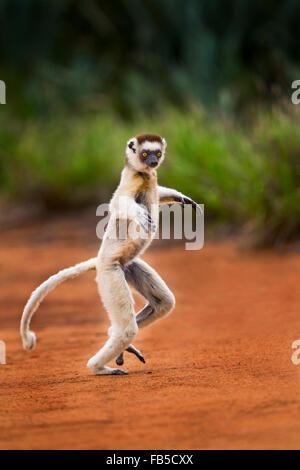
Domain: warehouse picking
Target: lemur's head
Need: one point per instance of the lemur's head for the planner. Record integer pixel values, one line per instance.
(145, 152)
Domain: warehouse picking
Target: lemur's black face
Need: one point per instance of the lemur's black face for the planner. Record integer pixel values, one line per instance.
(146, 152)
(150, 157)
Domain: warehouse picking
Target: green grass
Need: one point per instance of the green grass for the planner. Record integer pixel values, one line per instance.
(247, 176)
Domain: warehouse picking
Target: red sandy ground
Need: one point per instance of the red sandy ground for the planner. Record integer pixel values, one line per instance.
(218, 374)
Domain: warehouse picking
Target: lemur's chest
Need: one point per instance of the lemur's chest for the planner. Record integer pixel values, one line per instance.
(146, 192)
(147, 197)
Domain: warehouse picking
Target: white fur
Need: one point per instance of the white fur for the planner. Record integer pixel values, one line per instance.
(28, 337)
(151, 145)
(113, 258)
(168, 194)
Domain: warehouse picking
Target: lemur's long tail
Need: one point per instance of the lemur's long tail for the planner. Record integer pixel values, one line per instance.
(28, 337)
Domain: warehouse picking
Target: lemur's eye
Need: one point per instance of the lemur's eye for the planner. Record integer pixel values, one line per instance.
(158, 154)
(144, 154)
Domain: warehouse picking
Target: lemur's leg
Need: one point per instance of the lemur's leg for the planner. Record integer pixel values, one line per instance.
(148, 283)
(118, 301)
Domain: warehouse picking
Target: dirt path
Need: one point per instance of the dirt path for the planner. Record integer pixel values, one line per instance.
(218, 372)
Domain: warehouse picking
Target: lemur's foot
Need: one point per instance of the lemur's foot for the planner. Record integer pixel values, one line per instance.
(106, 370)
(119, 372)
(133, 350)
(110, 371)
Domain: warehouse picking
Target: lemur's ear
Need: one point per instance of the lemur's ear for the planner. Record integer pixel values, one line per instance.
(131, 144)
(164, 143)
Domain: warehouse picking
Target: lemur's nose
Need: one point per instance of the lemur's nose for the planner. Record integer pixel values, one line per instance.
(152, 160)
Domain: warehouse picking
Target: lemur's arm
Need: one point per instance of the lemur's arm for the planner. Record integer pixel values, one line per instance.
(125, 207)
(169, 195)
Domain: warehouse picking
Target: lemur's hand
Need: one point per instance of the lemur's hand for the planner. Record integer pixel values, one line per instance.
(186, 200)
(129, 209)
(145, 220)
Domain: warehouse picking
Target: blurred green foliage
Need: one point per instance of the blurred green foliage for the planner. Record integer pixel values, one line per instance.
(212, 76)
(241, 177)
(227, 54)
